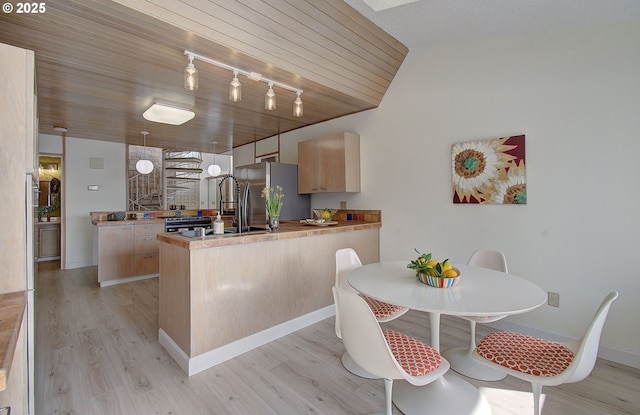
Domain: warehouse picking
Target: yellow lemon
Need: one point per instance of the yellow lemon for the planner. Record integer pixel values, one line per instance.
(450, 273)
(446, 267)
(325, 214)
(432, 263)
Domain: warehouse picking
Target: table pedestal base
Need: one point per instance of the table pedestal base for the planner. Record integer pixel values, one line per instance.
(462, 362)
(449, 395)
(353, 367)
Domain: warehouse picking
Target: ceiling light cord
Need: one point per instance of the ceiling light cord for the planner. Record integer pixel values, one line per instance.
(235, 91)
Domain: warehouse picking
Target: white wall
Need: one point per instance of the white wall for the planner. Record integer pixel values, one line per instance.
(576, 96)
(111, 195)
(50, 144)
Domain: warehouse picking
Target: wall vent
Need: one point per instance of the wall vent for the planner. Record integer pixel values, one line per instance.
(96, 163)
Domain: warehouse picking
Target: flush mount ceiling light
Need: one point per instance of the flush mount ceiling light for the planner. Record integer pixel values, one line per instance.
(235, 88)
(144, 166)
(167, 114)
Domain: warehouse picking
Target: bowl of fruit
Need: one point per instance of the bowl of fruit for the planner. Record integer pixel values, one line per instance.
(324, 215)
(434, 273)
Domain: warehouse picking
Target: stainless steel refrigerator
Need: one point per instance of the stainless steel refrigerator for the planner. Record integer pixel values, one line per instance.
(254, 177)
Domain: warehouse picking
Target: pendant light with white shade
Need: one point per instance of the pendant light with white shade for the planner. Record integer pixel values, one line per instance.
(214, 170)
(144, 166)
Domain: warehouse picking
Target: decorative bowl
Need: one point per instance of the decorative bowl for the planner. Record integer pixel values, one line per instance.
(318, 213)
(439, 282)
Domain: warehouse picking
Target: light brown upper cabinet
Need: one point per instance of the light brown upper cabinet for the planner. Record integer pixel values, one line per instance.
(329, 164)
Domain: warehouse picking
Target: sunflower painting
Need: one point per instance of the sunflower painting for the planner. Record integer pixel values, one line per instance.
(490, 171)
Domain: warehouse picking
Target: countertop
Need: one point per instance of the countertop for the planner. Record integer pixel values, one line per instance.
(127, 222)
(12, 306)
(287, 230)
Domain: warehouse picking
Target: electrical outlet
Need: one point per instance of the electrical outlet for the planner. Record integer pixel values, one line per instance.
(343, 204)
(553, 299)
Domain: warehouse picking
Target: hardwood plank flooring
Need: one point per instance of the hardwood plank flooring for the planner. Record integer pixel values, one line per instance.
(97, 352)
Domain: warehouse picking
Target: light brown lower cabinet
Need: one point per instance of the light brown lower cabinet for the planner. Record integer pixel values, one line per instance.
(15, 396)
(147, 258)
(116, 251)
(126, 251)
(48, 240)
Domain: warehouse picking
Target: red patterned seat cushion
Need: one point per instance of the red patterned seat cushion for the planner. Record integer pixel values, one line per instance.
(415, 357)
(526, 354)
(381, 309)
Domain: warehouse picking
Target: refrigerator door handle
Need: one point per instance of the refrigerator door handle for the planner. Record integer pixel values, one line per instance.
(245, 205)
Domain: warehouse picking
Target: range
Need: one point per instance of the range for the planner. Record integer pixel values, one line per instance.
(186, 223)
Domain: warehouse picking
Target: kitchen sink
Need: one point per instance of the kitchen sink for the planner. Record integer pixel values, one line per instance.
(231, 231)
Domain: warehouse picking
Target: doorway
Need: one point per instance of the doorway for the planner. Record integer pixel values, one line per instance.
(49, 209)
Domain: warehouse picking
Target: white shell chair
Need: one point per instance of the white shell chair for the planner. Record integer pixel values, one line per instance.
(387, 354)
(347, 260)
(543, 362)
(460, 357)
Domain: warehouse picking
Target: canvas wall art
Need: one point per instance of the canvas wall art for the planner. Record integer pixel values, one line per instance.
(490, 171)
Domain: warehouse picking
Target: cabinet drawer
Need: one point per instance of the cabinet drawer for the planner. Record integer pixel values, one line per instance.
(146, 244)
(148, 263)
(148, 230)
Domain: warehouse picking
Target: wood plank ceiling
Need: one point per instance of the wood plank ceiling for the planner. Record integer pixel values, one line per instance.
(100, 64)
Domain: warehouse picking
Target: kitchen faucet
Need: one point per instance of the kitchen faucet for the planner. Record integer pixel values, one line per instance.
(238, 214)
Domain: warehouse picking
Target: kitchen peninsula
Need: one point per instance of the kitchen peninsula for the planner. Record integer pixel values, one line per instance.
(221, 296)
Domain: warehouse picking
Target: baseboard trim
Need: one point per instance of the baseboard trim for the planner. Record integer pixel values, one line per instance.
(108, 283)
(216, 356)
(622, 357)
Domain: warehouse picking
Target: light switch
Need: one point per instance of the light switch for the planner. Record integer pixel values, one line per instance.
(92, 187)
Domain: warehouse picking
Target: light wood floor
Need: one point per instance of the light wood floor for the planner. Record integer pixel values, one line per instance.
(97, 352)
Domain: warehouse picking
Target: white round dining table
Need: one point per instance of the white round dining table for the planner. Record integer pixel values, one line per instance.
(478, 292)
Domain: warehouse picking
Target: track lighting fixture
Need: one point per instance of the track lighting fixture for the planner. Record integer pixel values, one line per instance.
(298, 109)
(235, 88)
(144, 166)
(191, 76)
(270, 99)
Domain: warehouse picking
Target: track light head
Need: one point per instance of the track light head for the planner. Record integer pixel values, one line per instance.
(235, 88)
(298, 108)
(270, 99)
(191, 75)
